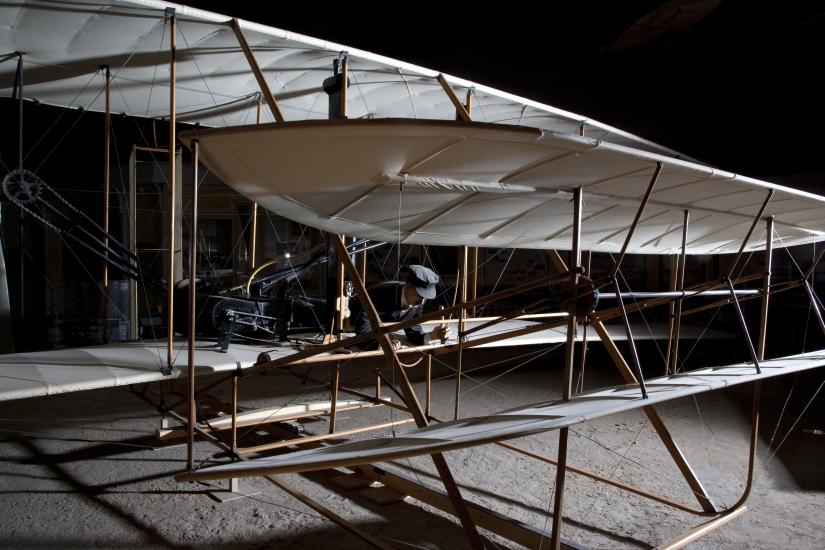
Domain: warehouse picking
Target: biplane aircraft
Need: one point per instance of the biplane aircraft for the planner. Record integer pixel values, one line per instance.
(370, 149)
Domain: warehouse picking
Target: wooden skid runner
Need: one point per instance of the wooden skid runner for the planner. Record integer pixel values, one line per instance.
(267, 416)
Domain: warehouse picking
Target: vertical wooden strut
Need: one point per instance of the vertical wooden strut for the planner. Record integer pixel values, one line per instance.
(671, 315)
(107, 124)
(256, 70)
(474, 269)
(170, 239)
(676, 321)
(763, 333)
(235, 411)
(339, 309)
(254, 252)
(410, 398)
(757, 386)
(428, 389)
(193, 263)
(766, 288)
(567, 388)
(335, 373)
(462, 313)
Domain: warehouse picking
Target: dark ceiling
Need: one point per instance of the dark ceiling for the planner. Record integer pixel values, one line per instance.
(732, 82)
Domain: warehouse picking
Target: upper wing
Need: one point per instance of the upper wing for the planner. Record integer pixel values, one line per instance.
(492, 185)
(518, 422)
(66, 43)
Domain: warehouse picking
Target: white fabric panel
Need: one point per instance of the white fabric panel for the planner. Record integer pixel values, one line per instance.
(493, 185)
(42, 373)
(519, 422)
(65, 43)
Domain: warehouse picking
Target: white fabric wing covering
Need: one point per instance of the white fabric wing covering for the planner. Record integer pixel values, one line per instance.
(66, 43)
(522, 421)
(474, 191)
(36, 374)
(477, 184)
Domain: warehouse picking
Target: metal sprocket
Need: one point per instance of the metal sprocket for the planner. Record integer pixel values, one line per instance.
(22, 186)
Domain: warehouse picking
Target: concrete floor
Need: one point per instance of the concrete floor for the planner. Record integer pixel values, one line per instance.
(83, 471)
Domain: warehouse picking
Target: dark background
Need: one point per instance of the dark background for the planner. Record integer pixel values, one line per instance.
(734, 83)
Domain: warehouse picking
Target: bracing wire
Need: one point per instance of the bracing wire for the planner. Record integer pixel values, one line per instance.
(197, 67)
(798, 418)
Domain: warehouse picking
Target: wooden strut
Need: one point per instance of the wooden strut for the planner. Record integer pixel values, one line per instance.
(326, 512)
(674, 270)
(613, 275)
(253, 253)
(338, 333)
(170, 239)
(664, 434)
(750, 232)
(498, 523)
(567, 388)
(256, 70)
(322, 437)
(460, 109)
(193, 263)
(428, 389)
(672, 363)
(107, 125)
(329, 514)
(259, 417)
(727, 281)
(462, 313)
(474, 280)
(335, 369)
(617, 266)
(409, 395)
(507, 527)
(602, 479)
(386, 327)
(314, 355)
(739, 508)
(635, 223)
